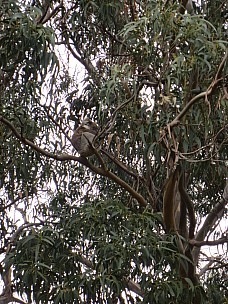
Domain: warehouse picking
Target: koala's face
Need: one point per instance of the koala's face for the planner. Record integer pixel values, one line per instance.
(89, 126)
(83, 136)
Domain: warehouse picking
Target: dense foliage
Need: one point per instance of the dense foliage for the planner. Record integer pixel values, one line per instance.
(96, 230)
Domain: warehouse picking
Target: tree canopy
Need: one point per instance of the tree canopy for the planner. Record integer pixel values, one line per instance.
(142, 220)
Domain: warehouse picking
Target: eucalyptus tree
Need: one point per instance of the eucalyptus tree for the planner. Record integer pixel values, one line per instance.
(130, 223)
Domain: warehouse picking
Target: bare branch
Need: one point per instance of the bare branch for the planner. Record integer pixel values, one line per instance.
(205, 268)
(47, 15)
(211, 218)
(135, 288)
(222, 240)
(9, 298)
(185, 197)
(14, 201)
(84, 61)
(120, 164)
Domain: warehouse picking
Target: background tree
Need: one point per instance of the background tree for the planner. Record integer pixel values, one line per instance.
(128, 224)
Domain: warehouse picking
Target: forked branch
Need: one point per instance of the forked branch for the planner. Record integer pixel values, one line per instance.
(204, 94)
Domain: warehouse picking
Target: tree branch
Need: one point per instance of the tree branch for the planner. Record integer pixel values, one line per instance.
(8, 298)
(210, 89)
(205, 268)
(48, 15)
(120, 164)
(209, 243)
(85, 62)
(7, 294)
(185, 197)
(82, 160)
(131, 285)
(211, 218)
(111, 122)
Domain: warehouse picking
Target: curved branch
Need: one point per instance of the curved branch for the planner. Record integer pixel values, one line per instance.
(131, 285)
(48, 15)
(103, 151)
(188, 203)
(209, 243)
(8, 298)
(168, 202)
(209, 91)
(110, 123)
(82, 160)
(212, 260)
(86, 62)
(120, 164)
(211, 218)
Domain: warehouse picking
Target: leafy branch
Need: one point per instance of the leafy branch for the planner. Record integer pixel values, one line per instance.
(216, 81)
(7, 295)
(131, 285)
(65, 157)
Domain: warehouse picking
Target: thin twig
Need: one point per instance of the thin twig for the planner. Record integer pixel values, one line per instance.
(111, 122)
